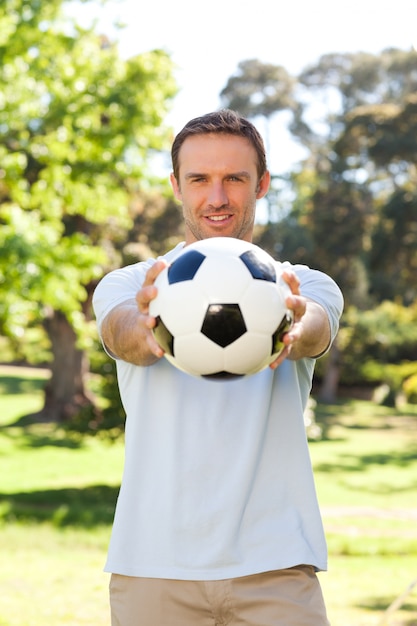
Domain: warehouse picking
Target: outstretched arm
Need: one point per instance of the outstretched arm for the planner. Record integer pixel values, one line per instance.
(126, 330)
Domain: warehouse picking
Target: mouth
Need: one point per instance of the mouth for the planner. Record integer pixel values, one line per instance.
(219, 218)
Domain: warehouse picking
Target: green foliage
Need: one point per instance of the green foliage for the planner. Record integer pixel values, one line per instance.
(44, 269)
(410, 388)
(389, 331)
(393, 254)
(77, 123)
(379, 345)
(354, 213)
(362, 78)
(354, 194)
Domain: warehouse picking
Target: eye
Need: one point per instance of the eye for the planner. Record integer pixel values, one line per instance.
(238, 177)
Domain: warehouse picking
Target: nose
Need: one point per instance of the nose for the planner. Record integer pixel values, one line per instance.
(217, 195)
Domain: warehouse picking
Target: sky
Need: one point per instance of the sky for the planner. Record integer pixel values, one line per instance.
(207, 40)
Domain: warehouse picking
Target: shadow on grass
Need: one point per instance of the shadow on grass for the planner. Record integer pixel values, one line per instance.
(360, 462)
(79, 507)
(15, 385)
(410, 622)
(381, 604)
(41, 436)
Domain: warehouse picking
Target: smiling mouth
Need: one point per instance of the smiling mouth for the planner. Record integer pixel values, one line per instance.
(218, 218)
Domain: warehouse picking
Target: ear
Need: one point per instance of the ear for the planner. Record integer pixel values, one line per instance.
(175, 187)
(263, 185)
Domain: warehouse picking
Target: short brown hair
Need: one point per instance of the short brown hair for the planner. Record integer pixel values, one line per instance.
(224, 121)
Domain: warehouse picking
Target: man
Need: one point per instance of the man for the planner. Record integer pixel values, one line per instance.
(217, 520)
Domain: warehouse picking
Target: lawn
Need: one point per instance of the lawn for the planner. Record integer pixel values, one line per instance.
(366, 477)
(58, 491)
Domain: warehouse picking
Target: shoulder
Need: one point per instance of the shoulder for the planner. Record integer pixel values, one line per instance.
(314, 282)
(135, 273)
(122, 284)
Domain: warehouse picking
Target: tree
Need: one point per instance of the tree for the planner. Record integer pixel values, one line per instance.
(77, 124)
(259, 89)
(382, 140)
(354, 202)
(385, 132)
(366, 163)
(338, 83)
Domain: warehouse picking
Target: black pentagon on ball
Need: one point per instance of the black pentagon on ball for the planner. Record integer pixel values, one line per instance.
(223, 324)
(222, 376)
(185, 267)
(260, 269)
(163, 336)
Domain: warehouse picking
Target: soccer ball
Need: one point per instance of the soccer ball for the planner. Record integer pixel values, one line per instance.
(220, 309)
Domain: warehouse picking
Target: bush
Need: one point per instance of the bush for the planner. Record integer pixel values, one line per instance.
(378, 345)
(410, 388)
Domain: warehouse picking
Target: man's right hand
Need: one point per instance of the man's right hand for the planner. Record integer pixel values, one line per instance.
(127, 329)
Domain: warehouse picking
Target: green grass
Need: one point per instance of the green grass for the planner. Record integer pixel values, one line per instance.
(366, 477)
(52, 577)
(58, 492)
(57, 498)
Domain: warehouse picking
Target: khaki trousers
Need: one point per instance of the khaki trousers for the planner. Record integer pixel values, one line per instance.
(290, 597)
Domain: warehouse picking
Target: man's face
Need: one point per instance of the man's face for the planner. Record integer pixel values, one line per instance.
(218, 186)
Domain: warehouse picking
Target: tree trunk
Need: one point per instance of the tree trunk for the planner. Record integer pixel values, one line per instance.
(65, 392)
(328, 389)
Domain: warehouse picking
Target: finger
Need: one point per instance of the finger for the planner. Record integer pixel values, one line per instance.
(294, 334)
(143, 298)
(154, 347)
(298, 305)
(292, 281)
(282, 356)
(149, 291)
(154, 271)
